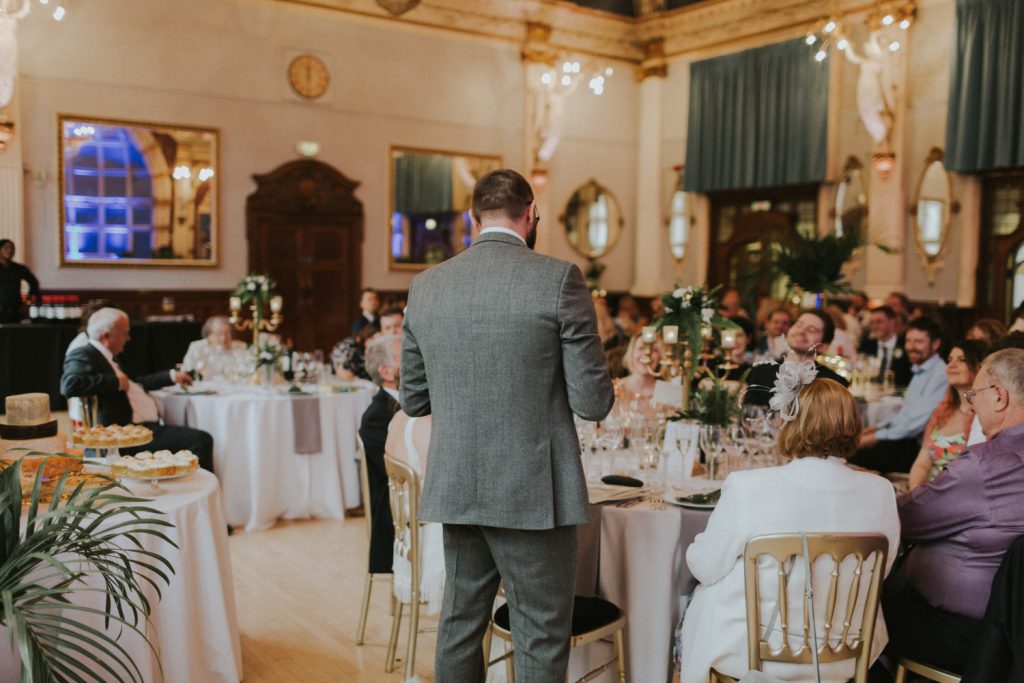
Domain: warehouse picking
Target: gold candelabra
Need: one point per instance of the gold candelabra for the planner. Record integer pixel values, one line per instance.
(257, 322)
(677, 359)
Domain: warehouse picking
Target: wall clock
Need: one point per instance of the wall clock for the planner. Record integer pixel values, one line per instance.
(308, 76)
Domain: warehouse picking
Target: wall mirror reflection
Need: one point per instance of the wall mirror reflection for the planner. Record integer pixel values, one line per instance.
(678, 220)
(592, 219)
(851, 207)
(932, 213)
(137, 193)
(430, 200)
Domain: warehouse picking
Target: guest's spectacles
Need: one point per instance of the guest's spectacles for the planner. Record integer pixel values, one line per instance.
(971, 393)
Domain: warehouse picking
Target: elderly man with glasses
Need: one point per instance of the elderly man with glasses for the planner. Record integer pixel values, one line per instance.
(959, 527)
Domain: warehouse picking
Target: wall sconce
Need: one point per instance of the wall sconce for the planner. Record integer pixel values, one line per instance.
(884, 163)
(6, 134)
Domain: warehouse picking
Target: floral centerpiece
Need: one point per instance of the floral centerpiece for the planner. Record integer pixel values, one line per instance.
(692, 309)
(267, 351)
(255, 288)
(713, 403)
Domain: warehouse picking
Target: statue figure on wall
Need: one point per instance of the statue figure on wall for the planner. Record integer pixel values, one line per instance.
(875, 87)
(10, 12)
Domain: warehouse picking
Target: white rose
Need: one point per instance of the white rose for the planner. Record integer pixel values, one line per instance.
(707, 314)
(251, 286)
(679, 293)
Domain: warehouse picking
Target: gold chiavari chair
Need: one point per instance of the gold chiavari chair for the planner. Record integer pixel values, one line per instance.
(364, 485)
(787, 550)
(405, 500)
(930, 672)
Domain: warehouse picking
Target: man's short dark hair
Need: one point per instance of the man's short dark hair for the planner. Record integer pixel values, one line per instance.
(501, 192)
(829, 327)
(5, 242)
(928, 326)
(365, 290)
(391, 310)
(886, 311)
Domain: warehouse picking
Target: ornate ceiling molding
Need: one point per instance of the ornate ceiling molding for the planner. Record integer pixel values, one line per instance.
(708, 26)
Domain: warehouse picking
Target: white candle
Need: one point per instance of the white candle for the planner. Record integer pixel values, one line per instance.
(649, 334)
(275, 304)
(728, 339)
(670, 334)
(235, 303)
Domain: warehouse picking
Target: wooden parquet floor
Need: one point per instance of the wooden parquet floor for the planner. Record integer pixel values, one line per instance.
(298, 590)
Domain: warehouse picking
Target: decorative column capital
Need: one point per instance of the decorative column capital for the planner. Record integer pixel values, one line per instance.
(653, 62)
(537, 47)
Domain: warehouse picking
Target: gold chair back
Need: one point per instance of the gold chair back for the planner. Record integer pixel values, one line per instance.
(405, 500)
(364, 486)
(787, 551)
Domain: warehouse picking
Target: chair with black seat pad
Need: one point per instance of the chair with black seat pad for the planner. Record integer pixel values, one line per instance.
(593, 619)
(364, 486)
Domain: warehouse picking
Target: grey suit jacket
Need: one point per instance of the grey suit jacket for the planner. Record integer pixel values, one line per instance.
(501, 347)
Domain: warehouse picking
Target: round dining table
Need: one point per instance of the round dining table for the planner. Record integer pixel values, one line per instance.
(192, 626)
(278, 454)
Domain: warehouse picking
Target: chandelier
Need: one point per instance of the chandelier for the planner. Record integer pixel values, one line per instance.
(397, 7)
(886, 23)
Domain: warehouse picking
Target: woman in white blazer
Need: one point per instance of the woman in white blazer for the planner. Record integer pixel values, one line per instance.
(816, 492)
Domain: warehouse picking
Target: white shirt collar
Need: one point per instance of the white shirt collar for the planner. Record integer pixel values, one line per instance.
(890, 344)
(506, 231)
(393, 393)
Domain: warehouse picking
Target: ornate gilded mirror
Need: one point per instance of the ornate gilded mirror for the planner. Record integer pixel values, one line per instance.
(931, 213)
(592, 219)
(137, 194)
(430, 200)
(851, 207)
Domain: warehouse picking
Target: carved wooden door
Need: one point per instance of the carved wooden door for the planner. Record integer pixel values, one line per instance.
(743, 255)
(305, 229)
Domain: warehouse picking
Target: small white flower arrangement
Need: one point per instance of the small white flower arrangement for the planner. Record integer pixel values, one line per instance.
(255, 287)
(693, 309)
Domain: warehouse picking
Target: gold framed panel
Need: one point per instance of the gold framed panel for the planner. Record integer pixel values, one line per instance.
(933, 262)
(182, 164)
(412, 256)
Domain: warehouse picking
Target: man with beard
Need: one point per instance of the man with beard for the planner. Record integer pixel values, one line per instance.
(501, 348)
(893, 446)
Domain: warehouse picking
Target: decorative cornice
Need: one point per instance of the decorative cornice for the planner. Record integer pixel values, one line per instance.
(653, 63)
(709, 27)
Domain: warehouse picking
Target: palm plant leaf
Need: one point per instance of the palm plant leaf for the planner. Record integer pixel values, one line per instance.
(90, 542)
(815, 263)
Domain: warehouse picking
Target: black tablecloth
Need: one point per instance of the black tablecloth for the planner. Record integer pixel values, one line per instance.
(32, 356)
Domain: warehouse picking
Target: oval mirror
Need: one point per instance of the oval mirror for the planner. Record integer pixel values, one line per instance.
(851, 207)
(592, 219)
(932, 212)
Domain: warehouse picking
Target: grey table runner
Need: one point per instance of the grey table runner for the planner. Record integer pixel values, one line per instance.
(306, 424)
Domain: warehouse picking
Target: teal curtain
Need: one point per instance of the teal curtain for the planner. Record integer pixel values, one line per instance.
(758, 118)
(423, 183)
(985, 125)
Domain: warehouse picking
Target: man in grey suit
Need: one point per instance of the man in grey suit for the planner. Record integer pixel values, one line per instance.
(501, 347)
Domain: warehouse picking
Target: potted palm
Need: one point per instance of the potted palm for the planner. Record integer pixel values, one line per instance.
(88, 542)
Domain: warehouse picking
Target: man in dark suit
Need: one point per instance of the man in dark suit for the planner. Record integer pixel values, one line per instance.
(811, 333)
(383, 357)
(887, 346)
(369, 304)
(92, 370)
(501, 348)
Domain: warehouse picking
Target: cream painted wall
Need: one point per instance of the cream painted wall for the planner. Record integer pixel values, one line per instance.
(223, 64)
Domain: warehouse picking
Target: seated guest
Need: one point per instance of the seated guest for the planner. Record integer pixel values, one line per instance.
(639, 383)
(884, 344)
(348, 355)
(216, 354)
(92, 370)
(842, 342)
(815, 493)
(893, 446)
(383, 358)
(730, 303)
(960, 526)
(946, 432)
(75, 412)
(812, 332)
(988, 330)
(408, 441)
(369, 302)
(773, 342)
(740, 354)
(629, 318)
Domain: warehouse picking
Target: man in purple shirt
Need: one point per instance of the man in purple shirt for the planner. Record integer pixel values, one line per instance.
(960, 526)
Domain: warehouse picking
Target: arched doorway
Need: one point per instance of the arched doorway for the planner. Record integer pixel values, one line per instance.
(305, 229)
(1001, 251)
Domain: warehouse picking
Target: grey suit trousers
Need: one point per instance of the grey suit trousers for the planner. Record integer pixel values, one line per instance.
(538, 568)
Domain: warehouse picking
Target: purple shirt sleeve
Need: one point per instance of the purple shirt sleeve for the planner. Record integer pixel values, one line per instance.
(947, 505)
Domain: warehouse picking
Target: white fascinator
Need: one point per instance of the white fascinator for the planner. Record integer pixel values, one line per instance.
(793, 376)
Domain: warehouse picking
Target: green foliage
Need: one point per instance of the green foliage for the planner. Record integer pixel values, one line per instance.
(713, 403)
(692, 309)
(815, 264)
(255, 288)
(92, 539)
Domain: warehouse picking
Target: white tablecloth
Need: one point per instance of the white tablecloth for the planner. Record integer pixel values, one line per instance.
(262, 476)
(193, 625)
(874, 413)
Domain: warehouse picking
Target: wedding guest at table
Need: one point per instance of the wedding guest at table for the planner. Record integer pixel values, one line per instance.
(987, 330)
(93, 370)
(772, 342)
(730, 304)
(1012, 340)
(504, 475)
(899, 303)
(216, 354)
(383, 358)
(639, 383)
(11, 276)
(75, 412)
(391, 319)
(740, 354)
(812, 332)
(893, 446)
(409, 441)
(628, 318)
(960, 525)
(815, 493)
(843, 343)
(945, 435)
(886, 345)
(348, 355)
(369, 304)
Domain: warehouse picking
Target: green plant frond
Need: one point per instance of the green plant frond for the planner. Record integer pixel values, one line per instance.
(64, 635)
